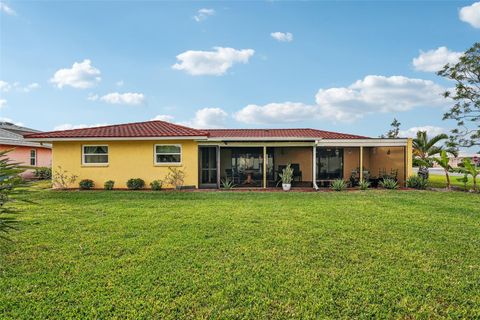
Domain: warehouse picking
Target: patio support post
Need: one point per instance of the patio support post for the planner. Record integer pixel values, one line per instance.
(264, 167)
(361, 163)
(218, 167)
(314, 169)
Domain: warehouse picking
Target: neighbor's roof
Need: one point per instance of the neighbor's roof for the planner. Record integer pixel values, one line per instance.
(146, 129)
(279, 133)
(157, 128)
(12, 135)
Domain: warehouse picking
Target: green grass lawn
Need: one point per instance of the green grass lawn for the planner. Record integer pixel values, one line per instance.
(374, 254)
(440, 181)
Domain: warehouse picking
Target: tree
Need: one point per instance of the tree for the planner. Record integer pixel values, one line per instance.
(10, 181)
(469, 168)
(443, 162)
(394, 131)
(466, 96)
(424, 149)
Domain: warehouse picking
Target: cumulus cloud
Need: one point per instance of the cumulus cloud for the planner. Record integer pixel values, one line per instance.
(276, 113)
(370, 95)
(412, 132)
(434, 60)
(6, 9)
(130, 98)
(164, 117)
(203, 14)
(81, 75)
(3, 103)
(5, 86)
(282, 36)
(69, 126)
(471, 14)
(215, 62)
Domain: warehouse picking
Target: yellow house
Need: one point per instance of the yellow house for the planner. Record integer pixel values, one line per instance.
(248, 157)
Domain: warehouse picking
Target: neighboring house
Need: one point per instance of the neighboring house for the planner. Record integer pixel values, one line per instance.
(250, 157)
(455, 161)
(27, 153)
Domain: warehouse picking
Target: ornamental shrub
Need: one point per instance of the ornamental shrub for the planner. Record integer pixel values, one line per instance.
(108, 185)
(135, 184)
(86, 184)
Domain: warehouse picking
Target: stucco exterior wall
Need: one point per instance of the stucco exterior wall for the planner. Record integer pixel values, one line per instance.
(21, 154)
(388, 158)
(301, 155)
(127, 159)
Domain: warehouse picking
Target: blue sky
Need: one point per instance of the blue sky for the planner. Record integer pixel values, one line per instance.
(345, 66)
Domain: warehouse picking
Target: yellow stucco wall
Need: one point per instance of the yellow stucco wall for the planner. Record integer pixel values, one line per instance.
(388, 158)
(127, 159)
(301, 155)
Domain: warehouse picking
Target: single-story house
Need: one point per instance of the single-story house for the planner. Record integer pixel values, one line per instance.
(249, 157)
(29, 154)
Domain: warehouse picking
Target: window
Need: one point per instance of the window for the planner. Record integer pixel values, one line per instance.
(33, 157)
(95, 155)
(168, 153)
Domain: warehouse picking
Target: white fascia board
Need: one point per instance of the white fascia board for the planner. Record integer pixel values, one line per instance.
(374, 142)
(117, 139)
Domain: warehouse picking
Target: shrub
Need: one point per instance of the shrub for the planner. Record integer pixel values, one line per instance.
(338, 185)
(227, 184)
(135, 184)
(86, 184)
(108, 185)
(175, 177)
(417, 182)
(389, 183)
(364, 185)
(156, 185)
(62, 179)
(43, 173)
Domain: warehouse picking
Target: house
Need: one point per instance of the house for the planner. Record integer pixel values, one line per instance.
(454, 161)
(27, 153)
(249, 157)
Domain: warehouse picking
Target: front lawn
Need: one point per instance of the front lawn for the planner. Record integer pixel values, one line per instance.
(440, 181)
(375, 254)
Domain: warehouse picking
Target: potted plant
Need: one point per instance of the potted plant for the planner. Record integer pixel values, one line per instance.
(286, 178)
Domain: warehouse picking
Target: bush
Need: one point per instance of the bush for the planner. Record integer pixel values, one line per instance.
(338, 185)
(62, 179)
(417, 182)
(108, 185)
(175, 177)
(43, 173)
(156, 185)
(86, 184)
(227, 184)
(389, 183)
(364, 185)
(135, 184)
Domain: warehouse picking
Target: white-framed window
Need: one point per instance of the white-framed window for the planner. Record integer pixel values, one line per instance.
(168, 154)
(95, 155)
(33, 157)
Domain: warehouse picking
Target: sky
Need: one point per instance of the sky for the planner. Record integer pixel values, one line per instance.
(340, 66)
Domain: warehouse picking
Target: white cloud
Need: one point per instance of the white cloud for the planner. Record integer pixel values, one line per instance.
(471, 14)
(372, 94)
(130, 98)
(164, 117)
(7, 9)
(277, 113)
(203, 14)
(209, 118)
(5, 86)
(431, 131)
(81, 75)
(3, 119)
(92, 97)
(3, 103)
(434, 60)
(282, 36)
(119, 83)
(211, 62)
(69, 126)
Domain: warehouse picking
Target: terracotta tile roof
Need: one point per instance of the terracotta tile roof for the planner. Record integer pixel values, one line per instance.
(279, 133)
(151, 129)
(128, 130)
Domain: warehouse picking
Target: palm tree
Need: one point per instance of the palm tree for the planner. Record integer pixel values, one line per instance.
(424, 149)
(443, 162)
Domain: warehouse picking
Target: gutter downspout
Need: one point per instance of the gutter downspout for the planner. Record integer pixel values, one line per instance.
(314, 163)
